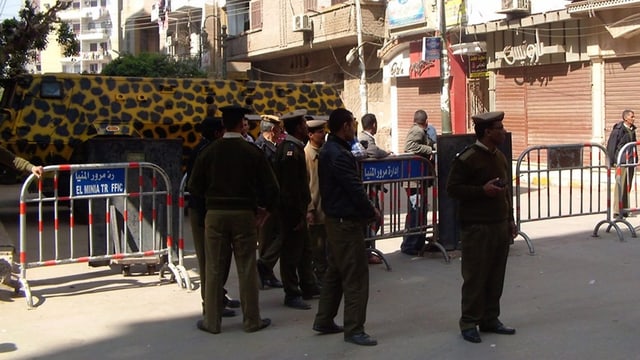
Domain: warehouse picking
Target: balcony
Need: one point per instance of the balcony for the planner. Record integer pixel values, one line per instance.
(330, 27)
(186, 5)
(95, 34)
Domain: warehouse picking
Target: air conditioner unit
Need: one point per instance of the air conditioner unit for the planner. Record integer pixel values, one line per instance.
(301, 23)
(522, 7)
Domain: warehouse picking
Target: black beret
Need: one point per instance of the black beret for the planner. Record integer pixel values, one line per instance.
(488, 117)
(234, 111)
(211, 124)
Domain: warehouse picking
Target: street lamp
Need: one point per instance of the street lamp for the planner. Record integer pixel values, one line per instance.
(204, 36)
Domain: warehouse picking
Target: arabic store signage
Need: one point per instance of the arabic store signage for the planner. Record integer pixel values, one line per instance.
(393, 169)
(422, 66)
(527, 54)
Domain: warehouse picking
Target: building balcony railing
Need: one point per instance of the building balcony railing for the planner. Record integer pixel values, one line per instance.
(182, 5)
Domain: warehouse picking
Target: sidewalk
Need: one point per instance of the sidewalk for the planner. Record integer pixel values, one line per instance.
(575, 299)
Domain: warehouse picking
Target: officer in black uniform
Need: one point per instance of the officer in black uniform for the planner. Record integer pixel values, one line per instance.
(479, 180)
(296, 269)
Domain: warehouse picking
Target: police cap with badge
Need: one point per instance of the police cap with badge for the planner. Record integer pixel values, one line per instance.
(269, 122)
(315, 124)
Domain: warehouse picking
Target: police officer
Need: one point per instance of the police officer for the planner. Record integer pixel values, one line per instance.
(479, 180)
(295, 255)
(269, 234)
(239, 190)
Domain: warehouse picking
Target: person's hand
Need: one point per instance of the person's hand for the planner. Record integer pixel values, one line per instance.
(493, 187)
(514, 229)
(310, 218)
(37, 171)
(261, 216)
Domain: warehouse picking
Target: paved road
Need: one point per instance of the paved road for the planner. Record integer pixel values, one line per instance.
(575, 299)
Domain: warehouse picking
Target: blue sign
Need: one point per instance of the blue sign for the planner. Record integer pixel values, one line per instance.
(394, 169)
(98, 181)
(431, 48)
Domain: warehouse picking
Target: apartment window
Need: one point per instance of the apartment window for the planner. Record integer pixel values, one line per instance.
(310, 5)
(91, 26)
(237, 16)
(76, 28)
(93, 47)
(103, 3)
(93, 68)
(76, 5)
(255, 9)
(94, 3)
(103, 46)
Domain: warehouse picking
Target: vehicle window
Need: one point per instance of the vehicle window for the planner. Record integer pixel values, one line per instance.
(51, 90)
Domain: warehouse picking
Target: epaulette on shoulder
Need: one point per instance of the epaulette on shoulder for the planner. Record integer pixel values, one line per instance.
(466, 152)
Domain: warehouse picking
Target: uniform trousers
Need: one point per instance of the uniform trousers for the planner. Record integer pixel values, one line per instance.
(318, 236)
(485, 248)
(197, 229)
(227, 233)
(296, 270)
(270, 242)
(348, 274)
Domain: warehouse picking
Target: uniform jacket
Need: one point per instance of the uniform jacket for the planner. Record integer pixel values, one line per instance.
(341, 188)
(620, 135)
(291, 172)
(312, 154)
(267, 147)
(471, 169)
(417, 142)
(232, 174)
(372, 149)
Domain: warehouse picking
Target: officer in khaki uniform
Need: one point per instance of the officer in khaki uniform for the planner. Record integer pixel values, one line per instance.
(479, 180)
(239, 190)
(291, 171)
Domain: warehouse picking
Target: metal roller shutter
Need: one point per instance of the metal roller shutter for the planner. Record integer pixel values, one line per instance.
(415, 95)
(545, 105)
(621, 88)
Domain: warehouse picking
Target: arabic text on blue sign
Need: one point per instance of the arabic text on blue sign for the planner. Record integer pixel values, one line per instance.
(393, 169)
(98, 181)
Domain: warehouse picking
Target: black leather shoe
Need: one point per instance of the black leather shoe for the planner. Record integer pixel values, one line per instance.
(263, 324)
(228, 313)
(333, 328)
(361, 339)
(297, 303)
(200, 325)
(272, 282)
(471, 335)
(311, 294)
(229, 302)
(499, 329)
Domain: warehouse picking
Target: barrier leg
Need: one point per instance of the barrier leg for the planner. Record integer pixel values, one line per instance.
(377, 253)
(527, 239)
(24, 286)
(429, 242)
(613, 224)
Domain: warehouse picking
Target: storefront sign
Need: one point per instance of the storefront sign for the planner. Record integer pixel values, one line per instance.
(405, 12)
(525, 53)
(431, 48)
(478, 66)
(420, 67)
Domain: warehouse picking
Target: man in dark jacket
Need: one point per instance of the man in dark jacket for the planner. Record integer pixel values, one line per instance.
(347, 209)
(622, 133)
(237, 204)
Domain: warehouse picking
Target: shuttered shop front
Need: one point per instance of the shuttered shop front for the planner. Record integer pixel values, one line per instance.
(622, 89)
(545, 105)
(417, 94)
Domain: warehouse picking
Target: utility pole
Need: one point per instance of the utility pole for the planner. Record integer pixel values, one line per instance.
(445, 103)
(363, 71)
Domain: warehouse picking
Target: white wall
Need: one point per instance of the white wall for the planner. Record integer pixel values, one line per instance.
(482, 11)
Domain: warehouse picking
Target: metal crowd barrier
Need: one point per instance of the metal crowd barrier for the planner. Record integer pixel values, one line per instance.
(626, 187)
(393, 183)
(182, 193)
(560, 181)
(132, 198)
